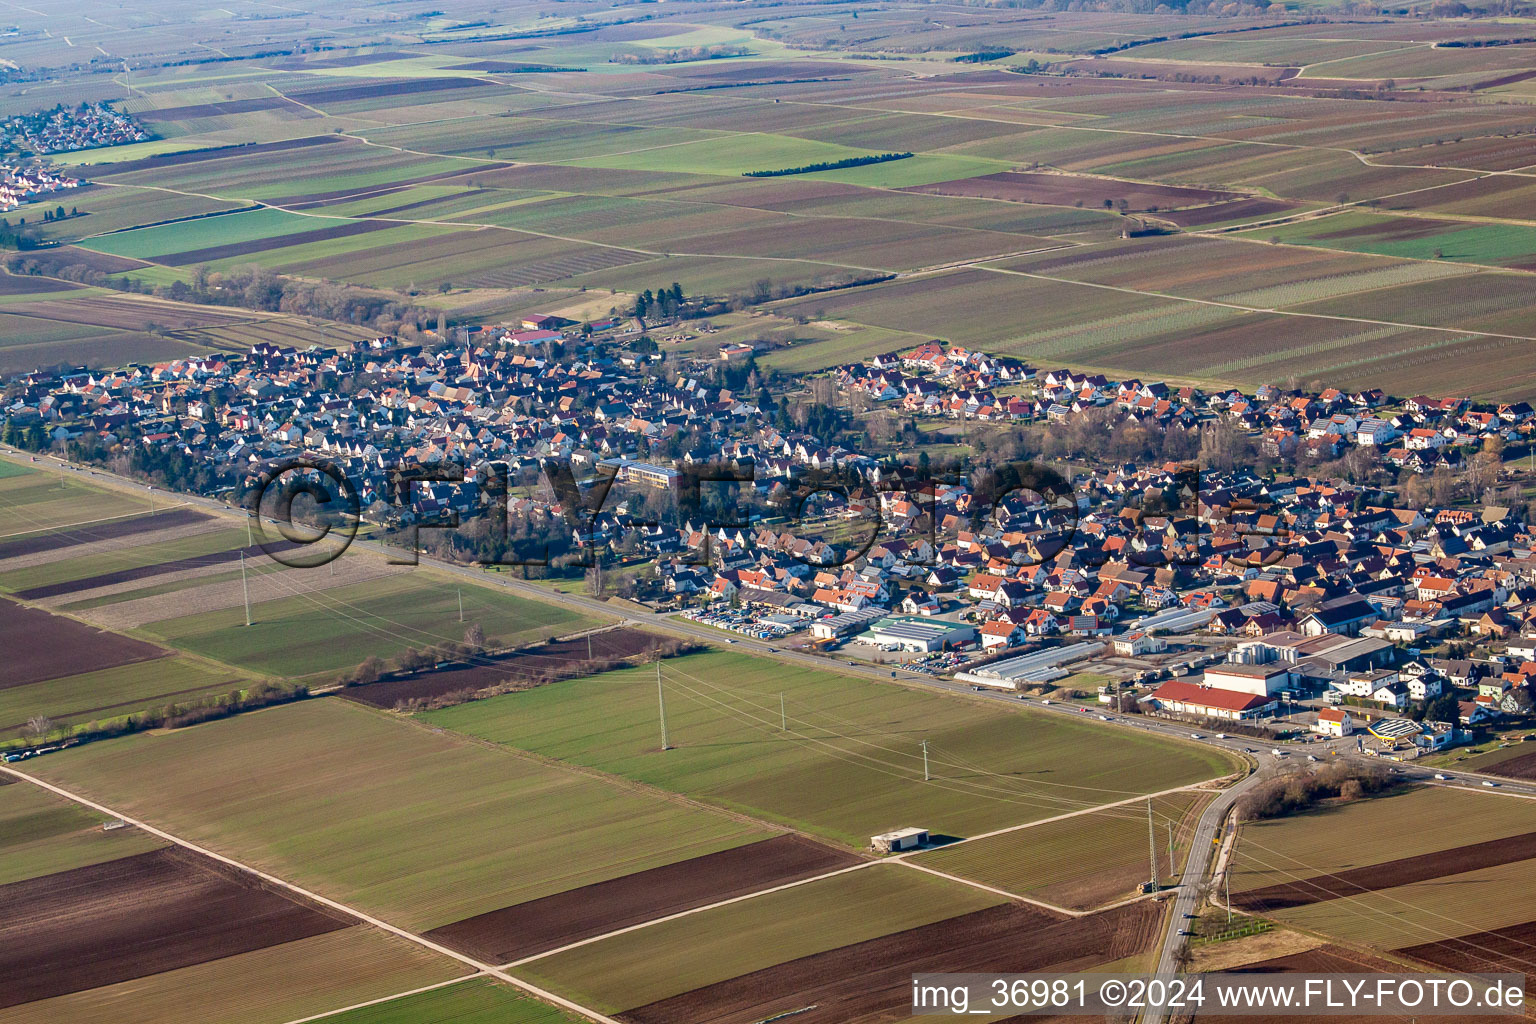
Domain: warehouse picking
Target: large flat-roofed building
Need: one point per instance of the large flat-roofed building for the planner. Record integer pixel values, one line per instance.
(919, 636)
(846, 623)
(1314, 655)
(1263, 680)
(628, 471)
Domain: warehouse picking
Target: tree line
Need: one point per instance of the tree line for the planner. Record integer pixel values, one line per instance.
(828, 165)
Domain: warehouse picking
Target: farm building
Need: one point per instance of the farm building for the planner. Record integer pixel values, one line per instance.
(898, 840)
(1180, 698)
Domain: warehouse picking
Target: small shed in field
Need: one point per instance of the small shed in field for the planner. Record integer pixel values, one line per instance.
(900, 839)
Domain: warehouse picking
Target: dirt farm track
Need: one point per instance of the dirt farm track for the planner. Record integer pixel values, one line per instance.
(515, 932)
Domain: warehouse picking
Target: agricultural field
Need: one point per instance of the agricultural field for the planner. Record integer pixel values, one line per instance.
(850, 765)
(1416, 238)
(1080, 862)
(636, 175)
(284, 982)
(662, 960)
(376, 784)
(1321, 198)
(44, 834)
(1426, 894)
(477, 1001)
(320, 632)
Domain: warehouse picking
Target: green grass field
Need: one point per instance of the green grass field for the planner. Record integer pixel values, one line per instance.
(113, 692)
(422, 829)
(851, 764)
(83, 567)
(1418, 238)
(38, 502)
(41, 833)
(477, 1001)
(335, 629)
(665, 959)
(202, 233)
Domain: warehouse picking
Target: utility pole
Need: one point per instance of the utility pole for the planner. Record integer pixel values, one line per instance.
(245, 589)
(1152, 846)
(926, 776)
(661, 703)
(461, 604)
(783, 715)
(589, 647)
(1171, 870)
(249, 541)
(1227, 877)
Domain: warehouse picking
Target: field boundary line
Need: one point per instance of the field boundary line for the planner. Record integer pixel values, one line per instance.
(1256, 309)
(1016, 897)
(92, 522)
(862, 865)
(388, 999)
(1069, 814)
(396, 930)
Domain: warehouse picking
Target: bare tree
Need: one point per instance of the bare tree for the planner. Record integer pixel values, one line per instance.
(38, 728)
(597, 584)
(474, 637)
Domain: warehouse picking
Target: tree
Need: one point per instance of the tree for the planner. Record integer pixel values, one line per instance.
(37, 729)
(1444, 709)
(474, 637)
(596, 584)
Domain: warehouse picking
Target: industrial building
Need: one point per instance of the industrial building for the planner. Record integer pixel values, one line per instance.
(1037, 667)
(1177, 697)
(919, 635)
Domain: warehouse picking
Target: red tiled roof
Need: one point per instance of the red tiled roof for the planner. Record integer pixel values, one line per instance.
(1210, 696)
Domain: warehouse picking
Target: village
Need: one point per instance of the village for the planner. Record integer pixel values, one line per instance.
(25, 184)
(1397, 609)
(67, 129)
